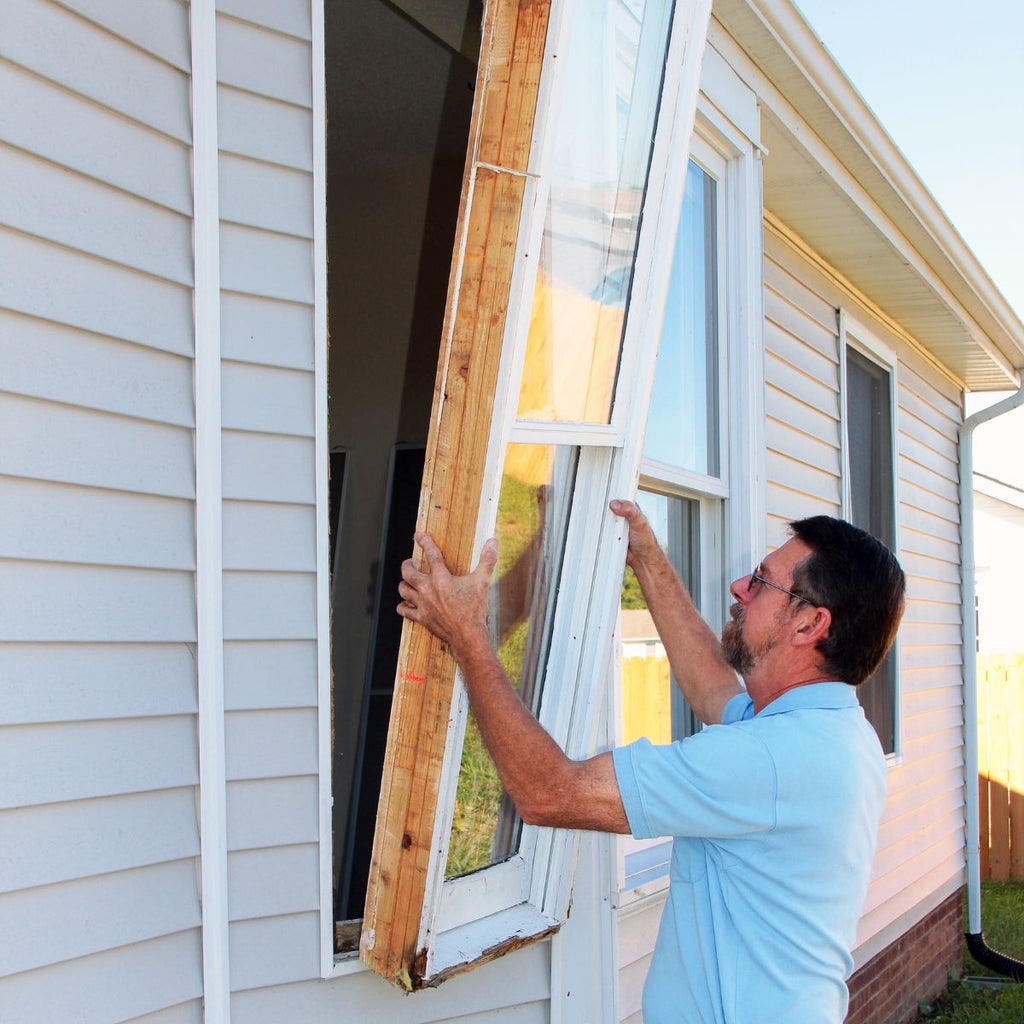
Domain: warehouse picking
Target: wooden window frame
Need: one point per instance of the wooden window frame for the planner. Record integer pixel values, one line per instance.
(854, 333)
(413, 933)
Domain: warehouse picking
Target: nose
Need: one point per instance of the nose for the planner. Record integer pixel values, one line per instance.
(740, 589)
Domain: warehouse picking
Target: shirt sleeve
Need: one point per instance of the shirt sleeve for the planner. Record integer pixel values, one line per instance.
(719, 783)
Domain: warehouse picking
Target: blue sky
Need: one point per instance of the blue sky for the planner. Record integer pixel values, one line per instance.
(946, 79)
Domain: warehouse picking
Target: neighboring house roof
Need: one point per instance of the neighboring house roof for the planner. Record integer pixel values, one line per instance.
(1004, 494)
(850, 194)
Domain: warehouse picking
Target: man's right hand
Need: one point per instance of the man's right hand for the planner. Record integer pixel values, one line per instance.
(643, 545)
(693, 650)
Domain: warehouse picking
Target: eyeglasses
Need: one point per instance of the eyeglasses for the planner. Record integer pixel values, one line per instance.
(755, 578)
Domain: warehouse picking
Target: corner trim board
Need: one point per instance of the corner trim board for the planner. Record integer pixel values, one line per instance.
(209, 552)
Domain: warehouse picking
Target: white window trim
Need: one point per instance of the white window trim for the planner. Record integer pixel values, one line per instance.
(855, 334)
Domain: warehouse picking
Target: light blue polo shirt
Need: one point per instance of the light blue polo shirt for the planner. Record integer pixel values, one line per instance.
(775, 818)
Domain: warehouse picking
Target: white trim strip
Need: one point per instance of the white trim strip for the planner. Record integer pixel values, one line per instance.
(845, 499)
(323, 569)
(209, 555)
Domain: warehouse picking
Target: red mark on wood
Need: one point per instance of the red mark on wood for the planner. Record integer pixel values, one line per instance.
(414, 679)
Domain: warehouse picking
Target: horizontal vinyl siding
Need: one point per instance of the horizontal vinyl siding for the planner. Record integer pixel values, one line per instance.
(637, 930)
(184, 1013)
(268, 405)
(115, 985)
(920, 846)
(513, 988)
(98, 829)
(801, 402)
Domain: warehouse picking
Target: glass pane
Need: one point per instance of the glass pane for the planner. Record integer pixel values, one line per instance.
(533, 514)
(869, 435)
(604, 133)
(652, 704)
(682, 424)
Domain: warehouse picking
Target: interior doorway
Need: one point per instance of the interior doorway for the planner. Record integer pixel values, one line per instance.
(399, 78)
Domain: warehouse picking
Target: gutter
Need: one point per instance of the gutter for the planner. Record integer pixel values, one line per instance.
(978, 948)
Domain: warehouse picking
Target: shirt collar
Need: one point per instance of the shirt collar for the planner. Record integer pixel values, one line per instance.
(813, 695)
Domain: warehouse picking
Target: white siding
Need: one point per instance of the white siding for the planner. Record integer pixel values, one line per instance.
(512, 989)
(97, 710)
(264, 66)
(920, 849)
(637, 930)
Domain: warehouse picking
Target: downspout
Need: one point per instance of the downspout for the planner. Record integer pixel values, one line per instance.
(974, 936)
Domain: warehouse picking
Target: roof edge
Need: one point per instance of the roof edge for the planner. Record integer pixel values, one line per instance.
(808, 54)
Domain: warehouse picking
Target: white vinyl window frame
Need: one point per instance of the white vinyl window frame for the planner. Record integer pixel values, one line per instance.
(854, 333)
(530, 891)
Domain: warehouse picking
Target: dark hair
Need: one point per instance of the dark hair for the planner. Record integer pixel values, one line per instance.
(857, 578)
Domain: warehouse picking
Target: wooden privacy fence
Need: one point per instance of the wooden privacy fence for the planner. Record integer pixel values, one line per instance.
(1001, 765)
(646, 693)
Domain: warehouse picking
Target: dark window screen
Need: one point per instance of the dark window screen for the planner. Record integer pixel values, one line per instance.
(872, 508)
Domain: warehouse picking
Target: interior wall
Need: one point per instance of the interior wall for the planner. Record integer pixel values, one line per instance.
(399, 97)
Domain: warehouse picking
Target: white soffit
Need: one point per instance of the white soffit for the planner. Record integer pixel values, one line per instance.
(836, 179)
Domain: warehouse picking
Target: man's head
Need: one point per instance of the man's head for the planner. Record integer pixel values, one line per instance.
(858, 579)
(831, 590)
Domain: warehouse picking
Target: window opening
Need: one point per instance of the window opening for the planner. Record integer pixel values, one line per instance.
(872, 506)
(400, 79)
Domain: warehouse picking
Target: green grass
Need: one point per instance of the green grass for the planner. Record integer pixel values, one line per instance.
(969, 1002)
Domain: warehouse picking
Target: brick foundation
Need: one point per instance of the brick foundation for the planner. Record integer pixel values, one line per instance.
(916, 966)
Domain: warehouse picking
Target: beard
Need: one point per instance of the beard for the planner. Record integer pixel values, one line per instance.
(738, 654)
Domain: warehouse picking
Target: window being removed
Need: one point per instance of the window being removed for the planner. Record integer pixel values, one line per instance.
(400, 78)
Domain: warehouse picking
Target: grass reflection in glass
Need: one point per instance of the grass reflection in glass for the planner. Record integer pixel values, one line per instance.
(475, 841)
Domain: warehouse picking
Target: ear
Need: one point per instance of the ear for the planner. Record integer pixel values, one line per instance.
(813, 629)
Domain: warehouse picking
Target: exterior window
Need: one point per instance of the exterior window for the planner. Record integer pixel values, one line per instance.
(682, 491)
(871, 503)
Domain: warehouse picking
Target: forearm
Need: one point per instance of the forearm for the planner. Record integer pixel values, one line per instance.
(546, 787)
(693, 650)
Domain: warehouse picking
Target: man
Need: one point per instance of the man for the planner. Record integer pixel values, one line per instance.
(774, 807)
